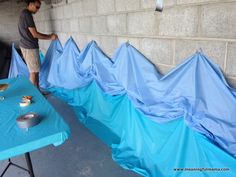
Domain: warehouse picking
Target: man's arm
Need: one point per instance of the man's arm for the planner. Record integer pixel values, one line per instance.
(39, 35)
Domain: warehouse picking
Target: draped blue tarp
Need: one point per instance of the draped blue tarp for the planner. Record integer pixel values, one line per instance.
(149, 148)
(54, 50)
(63, 71)
(194, 93)
(17, 66)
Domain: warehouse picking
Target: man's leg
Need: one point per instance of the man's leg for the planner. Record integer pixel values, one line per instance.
(32, 60)
(34, 78)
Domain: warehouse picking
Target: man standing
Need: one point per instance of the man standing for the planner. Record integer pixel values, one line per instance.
(29, 39)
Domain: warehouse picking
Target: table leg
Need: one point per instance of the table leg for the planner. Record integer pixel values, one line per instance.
(29, 164)
(5, 170)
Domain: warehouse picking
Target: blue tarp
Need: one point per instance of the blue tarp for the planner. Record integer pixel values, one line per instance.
(194, 93)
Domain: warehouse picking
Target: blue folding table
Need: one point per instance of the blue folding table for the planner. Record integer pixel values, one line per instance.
(15, 141)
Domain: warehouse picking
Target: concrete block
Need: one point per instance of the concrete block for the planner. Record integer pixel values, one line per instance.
(74, 25)
(158, 50)
(213, 49)
(9, 16)
(42, 15)
(63, 37)
(57, 2)
(52, 13)
(44, 6)
(77, 8)
(124, 5)
(132, 41)
(93, 38)
(81, 40)
(90, 7)
(116, 24)
(36, 18)
(142, 23)
(105, 6)
(179, 21)
(40, 26)
(9, 29)
(164, 69)
(18, 8)
(60, 12)
(121, 24)
(85, 24)
(196, 1)
(8, 8)
(47, 15)
(219, 20)
(46, 45)
(68, 11)
(108, 45)
(57, 25)
(41, 47)
(66, 26)
(99, 25)
(14, 20)
(231, 59)
(71, 1)
(9, 19)
(146, 4)
(111, 24)
(48, 26)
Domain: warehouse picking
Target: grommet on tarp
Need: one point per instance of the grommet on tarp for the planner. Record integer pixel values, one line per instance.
(159, 5)
(127, 43)
(199, 50)
(28, 120)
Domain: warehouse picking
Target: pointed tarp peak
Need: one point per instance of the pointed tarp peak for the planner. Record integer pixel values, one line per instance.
(67, 63)
(70, 43)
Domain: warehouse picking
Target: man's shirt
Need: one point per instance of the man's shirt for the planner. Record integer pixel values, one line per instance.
(25, 21)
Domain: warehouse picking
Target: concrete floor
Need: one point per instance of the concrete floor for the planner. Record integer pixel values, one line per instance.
(82, 155)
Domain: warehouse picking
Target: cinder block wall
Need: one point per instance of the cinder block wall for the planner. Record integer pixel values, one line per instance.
(166, 38)
(9, 11)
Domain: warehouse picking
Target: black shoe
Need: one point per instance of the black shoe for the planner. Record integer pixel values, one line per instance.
(44, 92)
